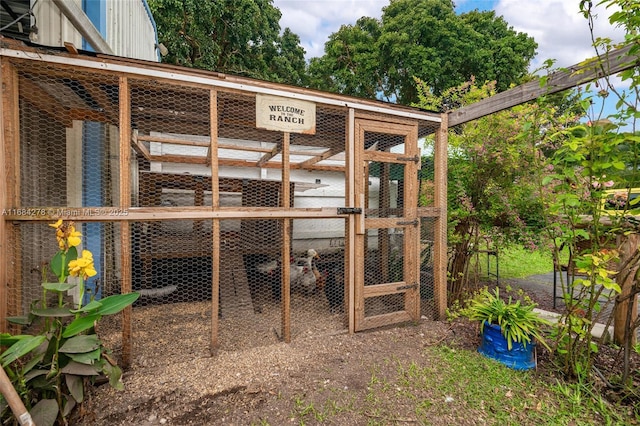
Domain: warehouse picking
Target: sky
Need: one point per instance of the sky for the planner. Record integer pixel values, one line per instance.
(561, 32)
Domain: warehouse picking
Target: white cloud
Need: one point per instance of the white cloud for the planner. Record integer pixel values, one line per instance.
(315, 20)
(562, 33)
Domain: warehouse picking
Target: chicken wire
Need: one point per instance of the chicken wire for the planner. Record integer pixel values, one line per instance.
(68, 164)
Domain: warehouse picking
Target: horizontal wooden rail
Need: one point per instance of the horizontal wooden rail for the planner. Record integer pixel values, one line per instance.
(141, 214)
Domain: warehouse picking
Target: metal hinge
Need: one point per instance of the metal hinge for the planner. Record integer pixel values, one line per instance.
(408, 287)
(349, 210)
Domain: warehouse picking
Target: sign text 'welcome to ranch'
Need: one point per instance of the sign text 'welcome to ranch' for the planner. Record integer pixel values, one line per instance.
(285, 115)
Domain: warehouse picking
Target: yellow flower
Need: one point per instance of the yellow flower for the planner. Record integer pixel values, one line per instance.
(66, 234)
(83, 266)
(56, 225)
(73, 238)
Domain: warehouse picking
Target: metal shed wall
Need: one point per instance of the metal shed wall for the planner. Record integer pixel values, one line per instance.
(130, 32)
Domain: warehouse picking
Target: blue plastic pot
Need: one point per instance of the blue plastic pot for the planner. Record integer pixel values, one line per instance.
(494, 346)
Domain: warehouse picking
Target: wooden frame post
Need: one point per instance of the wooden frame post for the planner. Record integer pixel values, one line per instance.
(628, 248)
(412, 233)
(440, 231)
(286, 242)
(350, 237)
(9, 191)
(215, 225)
(125, 228)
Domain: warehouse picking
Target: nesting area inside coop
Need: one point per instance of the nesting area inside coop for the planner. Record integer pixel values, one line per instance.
(243, 212)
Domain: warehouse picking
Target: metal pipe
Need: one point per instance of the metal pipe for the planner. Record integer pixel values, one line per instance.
(83, 24)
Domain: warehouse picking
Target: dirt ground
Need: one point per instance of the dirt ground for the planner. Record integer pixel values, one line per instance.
(259, 383)
(175, 381)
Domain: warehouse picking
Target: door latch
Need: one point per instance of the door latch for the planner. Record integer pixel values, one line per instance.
(349, 210)
(415, 159)
(408, 287)
(413, 222)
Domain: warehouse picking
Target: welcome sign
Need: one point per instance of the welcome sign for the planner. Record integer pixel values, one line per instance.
(285, 115)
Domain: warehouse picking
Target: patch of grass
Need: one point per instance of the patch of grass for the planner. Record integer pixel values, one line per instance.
(456, 386)
(304, 410)
(517, 262)
(459, 385)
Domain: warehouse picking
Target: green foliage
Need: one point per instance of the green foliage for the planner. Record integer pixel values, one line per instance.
(350, 63)
(425, 39)
(587, 158)
(584, 160)
(231, 36)
(493, 197)
(49, 370)
(518, 322)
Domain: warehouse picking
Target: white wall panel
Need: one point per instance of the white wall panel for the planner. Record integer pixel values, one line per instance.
(54, 29)
(130, 32)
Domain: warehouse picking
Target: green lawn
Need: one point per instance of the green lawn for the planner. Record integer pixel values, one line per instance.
(517, 262)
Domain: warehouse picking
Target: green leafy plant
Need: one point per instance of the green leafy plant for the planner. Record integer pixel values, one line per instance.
(50, 369)
(518, 322)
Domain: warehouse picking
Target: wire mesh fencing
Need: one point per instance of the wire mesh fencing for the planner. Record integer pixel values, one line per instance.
(232, 234)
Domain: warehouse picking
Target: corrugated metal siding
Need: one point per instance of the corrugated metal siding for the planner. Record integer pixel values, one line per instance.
(130, 32)
(54, 29)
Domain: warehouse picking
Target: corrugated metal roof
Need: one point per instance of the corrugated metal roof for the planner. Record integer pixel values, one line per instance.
(15, 18)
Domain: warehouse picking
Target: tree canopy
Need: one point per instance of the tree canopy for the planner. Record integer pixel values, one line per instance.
(373, 58)
(422, 39)
(233, 36)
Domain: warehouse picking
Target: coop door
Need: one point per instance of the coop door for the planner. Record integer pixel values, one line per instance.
(387, 243)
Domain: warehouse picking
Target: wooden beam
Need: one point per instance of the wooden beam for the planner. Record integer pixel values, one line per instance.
(440, 229)
(102, 99)
(125, 229)
(287, 229)
(192, 159)
(412, 233)
(311, 161)
(269, 155)
(82, 114)
(615, 61)
(350, 227)
(384, 319)
(9, 190)
(246, 148)
(137, 144)
(186, 159)
(143, 214)
(205, 79)
(212, 155)
(44, 102)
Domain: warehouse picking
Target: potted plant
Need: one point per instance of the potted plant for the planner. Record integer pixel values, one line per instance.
(509, 329)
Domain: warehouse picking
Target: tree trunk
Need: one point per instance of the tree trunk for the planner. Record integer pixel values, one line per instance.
(626, 277)
(459, 264)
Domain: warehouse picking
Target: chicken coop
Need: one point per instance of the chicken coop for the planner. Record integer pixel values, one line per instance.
(243, 212)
